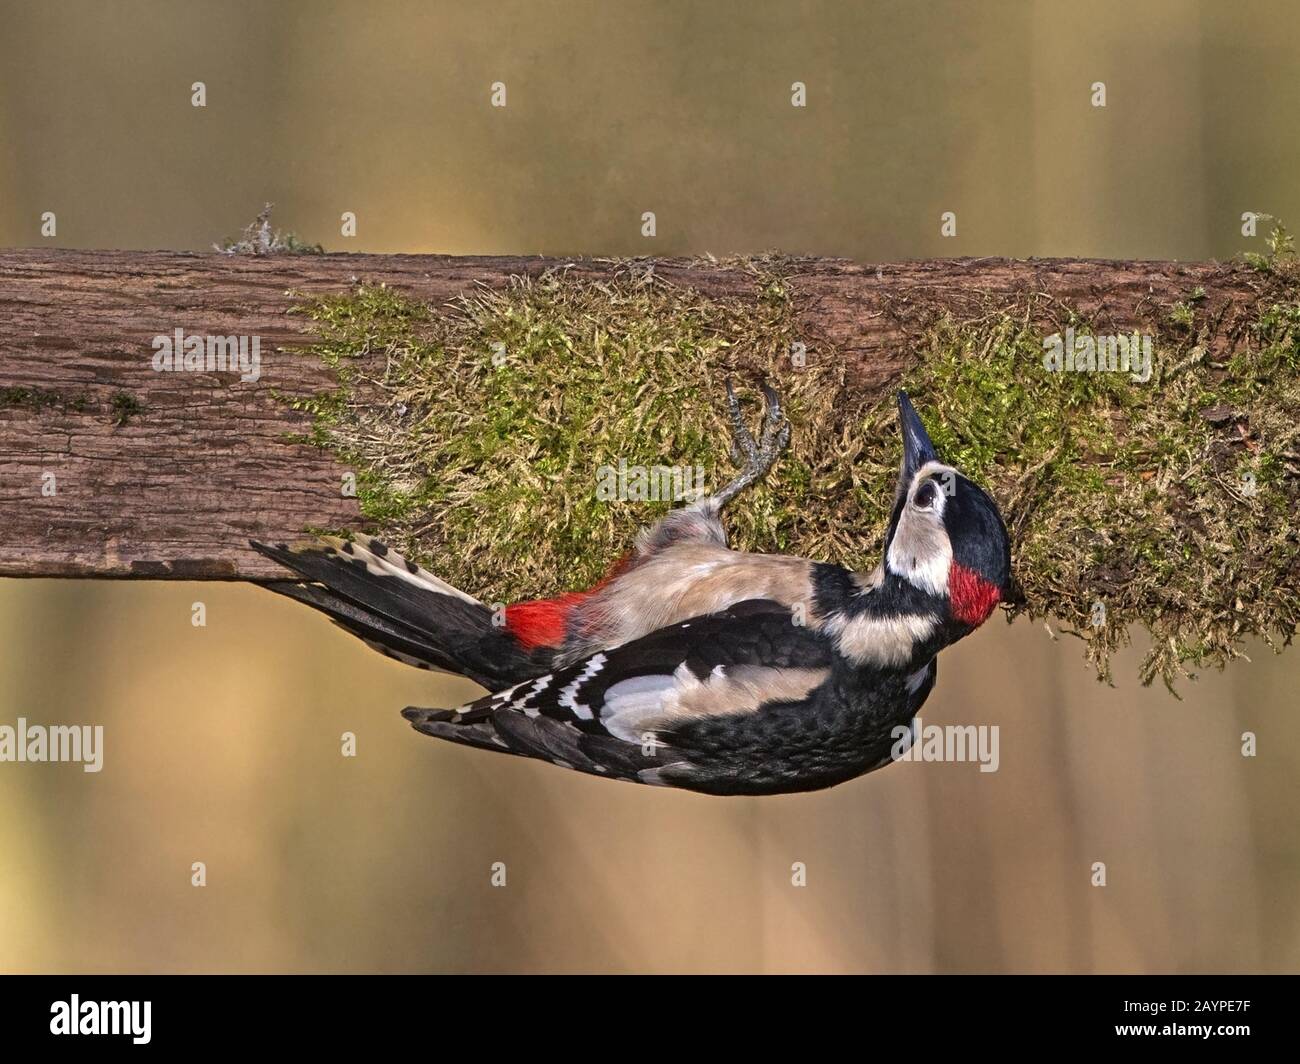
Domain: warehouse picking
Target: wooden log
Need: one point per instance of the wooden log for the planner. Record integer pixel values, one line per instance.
(109, 468)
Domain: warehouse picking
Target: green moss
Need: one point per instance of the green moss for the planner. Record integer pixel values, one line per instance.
(124, 406)
(1280, 259)
(40, 400)
(120, 408)
(28, 398)
(497, 416)
(36, 399)
(1182, 315)
(1169, 505)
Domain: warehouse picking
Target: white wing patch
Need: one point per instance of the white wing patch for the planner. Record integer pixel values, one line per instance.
(630, 704)
(646, 703)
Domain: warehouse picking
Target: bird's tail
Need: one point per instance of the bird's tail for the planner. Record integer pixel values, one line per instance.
(404, 611)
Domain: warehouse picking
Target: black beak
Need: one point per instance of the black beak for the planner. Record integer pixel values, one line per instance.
(917, 448)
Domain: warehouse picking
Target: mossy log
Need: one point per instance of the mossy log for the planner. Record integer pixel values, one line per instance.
(111, 468)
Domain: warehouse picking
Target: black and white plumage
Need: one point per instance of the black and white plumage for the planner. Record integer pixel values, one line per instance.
(692, 665)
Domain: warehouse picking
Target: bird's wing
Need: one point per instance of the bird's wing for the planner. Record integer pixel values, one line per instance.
(623, 712)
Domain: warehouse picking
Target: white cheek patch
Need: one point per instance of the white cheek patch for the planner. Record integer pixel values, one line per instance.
(920, 551)
(922, 559)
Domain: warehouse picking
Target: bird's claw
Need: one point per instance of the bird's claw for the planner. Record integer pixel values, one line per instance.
(754, 457)
(742, 440)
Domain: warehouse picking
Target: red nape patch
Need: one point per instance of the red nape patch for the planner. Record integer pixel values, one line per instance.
(971, 597)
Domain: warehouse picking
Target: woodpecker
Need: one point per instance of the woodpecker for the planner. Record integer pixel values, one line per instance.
(689, 664)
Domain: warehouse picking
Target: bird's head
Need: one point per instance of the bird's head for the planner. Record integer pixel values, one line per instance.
(946, 537)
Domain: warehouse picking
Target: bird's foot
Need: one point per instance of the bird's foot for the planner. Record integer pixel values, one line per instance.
(757, 457)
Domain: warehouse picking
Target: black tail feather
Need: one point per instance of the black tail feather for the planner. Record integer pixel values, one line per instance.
(371, 627)
(403, 611)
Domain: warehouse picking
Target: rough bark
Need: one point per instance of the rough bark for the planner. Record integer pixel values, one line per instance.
(169, 474)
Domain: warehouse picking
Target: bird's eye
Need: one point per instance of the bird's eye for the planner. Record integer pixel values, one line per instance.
(925, 496)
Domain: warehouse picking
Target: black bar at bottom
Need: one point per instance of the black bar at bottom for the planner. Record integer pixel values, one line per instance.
(453, 1014)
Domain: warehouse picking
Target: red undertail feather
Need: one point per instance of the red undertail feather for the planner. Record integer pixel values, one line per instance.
(972, 597)
(541, 622)
(544, 622)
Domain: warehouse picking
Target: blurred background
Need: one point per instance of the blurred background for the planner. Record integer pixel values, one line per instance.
(222, 743)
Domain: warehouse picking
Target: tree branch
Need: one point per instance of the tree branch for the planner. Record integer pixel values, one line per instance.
(111, 469)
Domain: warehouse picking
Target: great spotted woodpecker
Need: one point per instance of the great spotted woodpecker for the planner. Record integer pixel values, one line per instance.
(692, 665)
